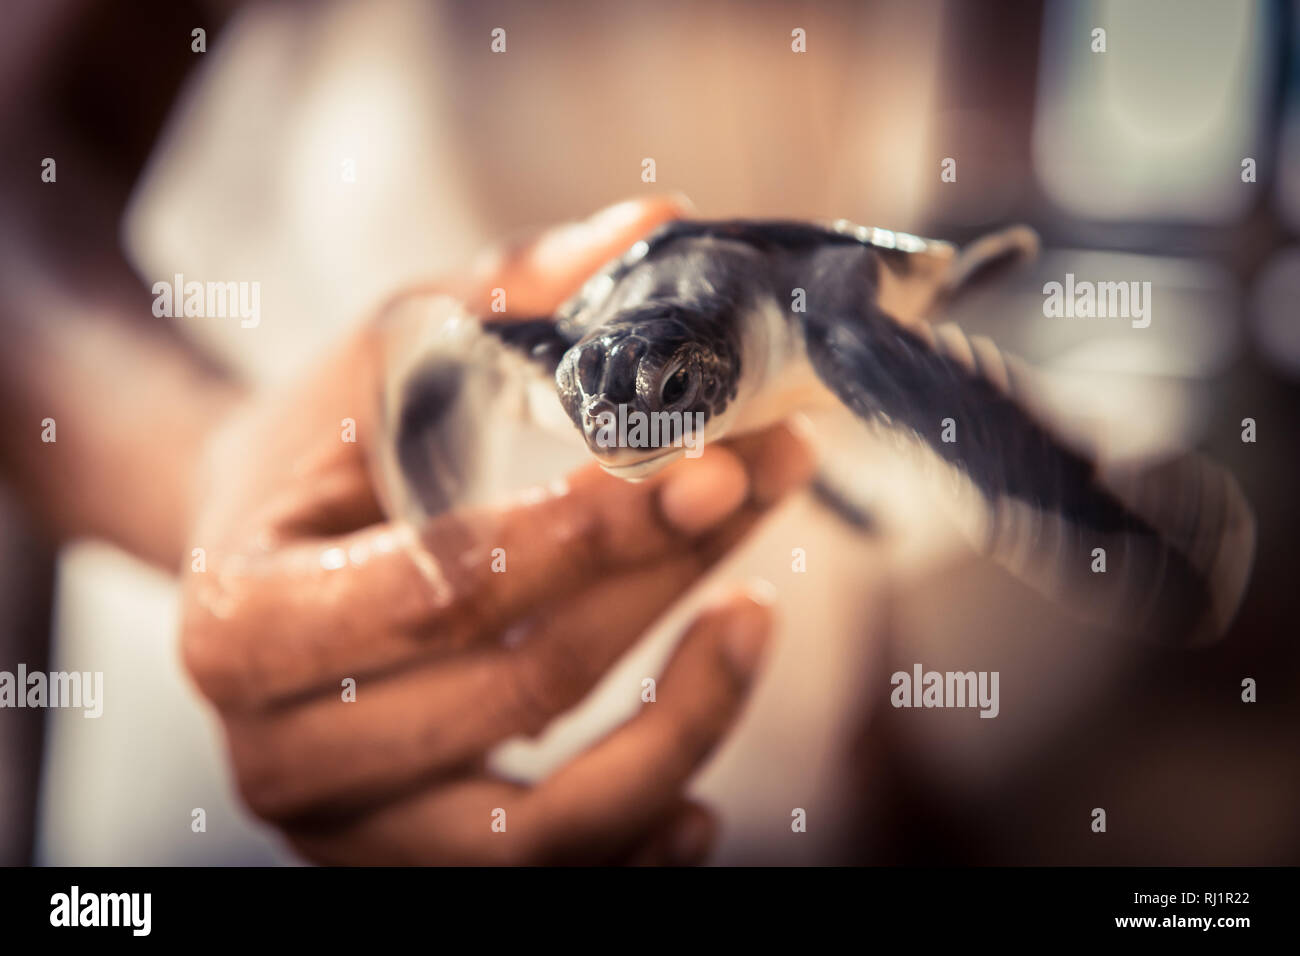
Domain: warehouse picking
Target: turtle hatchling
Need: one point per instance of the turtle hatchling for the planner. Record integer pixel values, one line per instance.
(709, 329)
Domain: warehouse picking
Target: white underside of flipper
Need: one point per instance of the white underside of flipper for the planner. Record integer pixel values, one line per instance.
(505, 427)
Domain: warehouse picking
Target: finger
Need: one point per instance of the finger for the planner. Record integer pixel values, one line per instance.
(464, 822)
(685, 840)
(375, 599)
(311, 477)
(378, 597)
(470, 822)
(620, 787)
(599, 525)
(322, 752)
(601, 804)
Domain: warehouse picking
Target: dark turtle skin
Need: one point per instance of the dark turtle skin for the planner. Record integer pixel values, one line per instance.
(665, 355)
(663, 328)
(698, 319)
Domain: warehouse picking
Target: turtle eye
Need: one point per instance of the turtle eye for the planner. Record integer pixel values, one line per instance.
(675, 386)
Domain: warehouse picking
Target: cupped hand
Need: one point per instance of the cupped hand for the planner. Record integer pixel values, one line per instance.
(359, 701)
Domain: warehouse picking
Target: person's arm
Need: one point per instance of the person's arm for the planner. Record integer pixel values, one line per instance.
(130, 400)
(128, 407)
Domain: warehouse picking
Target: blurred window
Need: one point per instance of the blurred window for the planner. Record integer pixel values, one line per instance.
(1156, 127)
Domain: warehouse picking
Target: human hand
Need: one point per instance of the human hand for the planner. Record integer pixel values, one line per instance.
(307, 585)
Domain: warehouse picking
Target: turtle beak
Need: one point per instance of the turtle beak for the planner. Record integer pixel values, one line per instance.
(640, 470)
(598, 413)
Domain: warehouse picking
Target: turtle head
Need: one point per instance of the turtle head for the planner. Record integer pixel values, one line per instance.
(643, 386)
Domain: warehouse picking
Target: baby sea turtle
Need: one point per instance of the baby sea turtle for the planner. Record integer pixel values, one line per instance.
(727, 326)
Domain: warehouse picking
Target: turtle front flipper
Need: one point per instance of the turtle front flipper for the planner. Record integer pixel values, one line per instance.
(467, 405)
(1175, 542)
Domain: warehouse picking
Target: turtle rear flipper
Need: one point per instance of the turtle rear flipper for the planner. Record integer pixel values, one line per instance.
(1166, 550)
(984, 259)
(916, 286)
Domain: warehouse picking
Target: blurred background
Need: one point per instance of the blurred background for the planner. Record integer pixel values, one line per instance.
(1130, 165)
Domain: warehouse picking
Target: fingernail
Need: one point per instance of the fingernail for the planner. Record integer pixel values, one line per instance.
(761, 591)
(747, 628)
(691, 840)
(802, 428)
(683, 202)
(616, 217)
